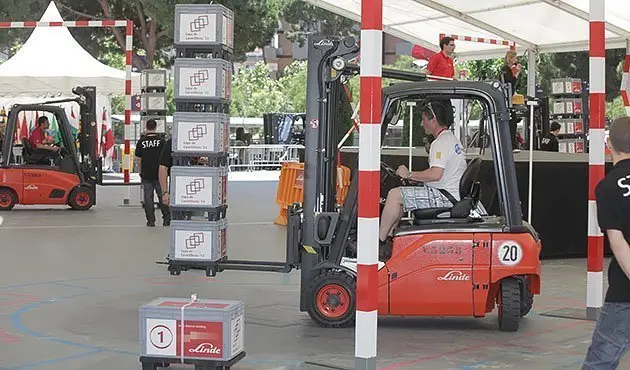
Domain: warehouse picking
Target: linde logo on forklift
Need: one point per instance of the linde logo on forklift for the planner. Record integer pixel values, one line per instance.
(31, 187)
(454, 275)
(323, 43)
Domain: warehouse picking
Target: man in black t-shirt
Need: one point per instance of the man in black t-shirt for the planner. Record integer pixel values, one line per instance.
(549, 143)
(611, 334)
(148, 149)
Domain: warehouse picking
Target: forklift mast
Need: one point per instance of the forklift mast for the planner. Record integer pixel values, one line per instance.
(320, 155)
(88, 131)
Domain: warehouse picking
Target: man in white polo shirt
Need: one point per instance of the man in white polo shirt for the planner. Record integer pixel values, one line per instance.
(447, 163)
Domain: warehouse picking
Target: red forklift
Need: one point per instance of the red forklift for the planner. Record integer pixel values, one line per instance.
(71, 178)
(457, 261)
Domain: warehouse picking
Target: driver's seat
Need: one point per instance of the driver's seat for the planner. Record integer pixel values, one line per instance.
(469, 189)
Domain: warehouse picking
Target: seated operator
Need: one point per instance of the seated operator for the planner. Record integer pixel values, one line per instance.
(41, 151)
(447, 164)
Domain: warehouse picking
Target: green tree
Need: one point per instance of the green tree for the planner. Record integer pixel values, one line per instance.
(255, 93)
(303, 18)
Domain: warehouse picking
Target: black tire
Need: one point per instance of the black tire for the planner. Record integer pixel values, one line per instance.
(338, 308)
(509, 303)
(8, 199)
(81, 198)
(527, 298)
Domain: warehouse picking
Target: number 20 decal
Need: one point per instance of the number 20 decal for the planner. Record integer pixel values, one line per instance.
(510, 253)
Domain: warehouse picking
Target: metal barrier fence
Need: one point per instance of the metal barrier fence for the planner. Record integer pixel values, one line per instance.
(262, 157)
(243, 158)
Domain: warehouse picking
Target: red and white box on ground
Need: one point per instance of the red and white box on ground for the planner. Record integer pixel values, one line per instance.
(204, 329)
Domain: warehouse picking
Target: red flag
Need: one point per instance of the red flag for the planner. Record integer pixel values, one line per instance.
(107, 137)
(24, 128)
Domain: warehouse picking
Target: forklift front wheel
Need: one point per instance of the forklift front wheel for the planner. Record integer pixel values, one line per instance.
(509, 303)
(81, 198)
(331, 299)
(8, 199)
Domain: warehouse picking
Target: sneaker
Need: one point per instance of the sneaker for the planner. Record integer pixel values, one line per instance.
(166, 223)
(150, 224)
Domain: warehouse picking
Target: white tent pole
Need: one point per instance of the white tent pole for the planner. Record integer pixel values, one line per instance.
(531, 72)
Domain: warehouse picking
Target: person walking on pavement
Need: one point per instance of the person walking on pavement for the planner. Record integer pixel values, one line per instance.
(148, 149)
(612, 331)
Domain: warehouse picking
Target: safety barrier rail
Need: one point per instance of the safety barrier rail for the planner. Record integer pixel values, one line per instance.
(262, 157)
(291, 187)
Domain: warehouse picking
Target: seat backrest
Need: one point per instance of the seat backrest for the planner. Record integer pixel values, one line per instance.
(469, 178)
(28, 148)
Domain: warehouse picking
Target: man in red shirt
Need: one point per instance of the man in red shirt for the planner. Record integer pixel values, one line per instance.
(441, 64)
(42, 152)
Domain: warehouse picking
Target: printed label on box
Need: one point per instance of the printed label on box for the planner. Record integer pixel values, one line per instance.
(192, 136)
(579, 127)
(161, 337)
(197, 28)
(237, 335)
(557, 87)
(193, 305)
(197, 82)
(193, 244)
(558, 107)
(576, 87)
(156, 102)
(579, 147)
(201, 339)
(156, 79)
(196, 191)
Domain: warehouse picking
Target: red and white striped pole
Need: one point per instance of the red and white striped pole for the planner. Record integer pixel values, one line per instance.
(369, 183)
(625, 80)
(596, 157)
(127, 161)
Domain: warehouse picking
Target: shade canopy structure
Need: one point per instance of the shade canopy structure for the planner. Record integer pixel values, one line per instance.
(52, 62)
(543, 26)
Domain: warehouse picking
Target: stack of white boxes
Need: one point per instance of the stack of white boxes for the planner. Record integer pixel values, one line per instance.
(568, 109)
(203, 77)
(153, 98)
(208, 333)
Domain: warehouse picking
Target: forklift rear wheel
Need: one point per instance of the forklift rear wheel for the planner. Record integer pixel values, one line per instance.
(331, 299)
(81, 199)
(509, 302)
(8, 199)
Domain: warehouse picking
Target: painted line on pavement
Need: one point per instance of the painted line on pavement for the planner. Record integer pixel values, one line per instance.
(55, 360)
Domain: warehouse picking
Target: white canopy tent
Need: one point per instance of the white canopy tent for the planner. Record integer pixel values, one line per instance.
(52, 62)
(541, 25)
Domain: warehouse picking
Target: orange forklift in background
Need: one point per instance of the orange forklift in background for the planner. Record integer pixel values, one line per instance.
(36, 181)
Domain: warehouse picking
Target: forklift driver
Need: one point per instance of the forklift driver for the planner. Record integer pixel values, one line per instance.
(437, 184)
(43, 152)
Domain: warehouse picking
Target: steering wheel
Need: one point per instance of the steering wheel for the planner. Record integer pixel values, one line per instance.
(387, 170)
(390, 180)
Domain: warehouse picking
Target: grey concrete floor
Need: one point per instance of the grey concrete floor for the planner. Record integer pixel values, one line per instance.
(71, 284)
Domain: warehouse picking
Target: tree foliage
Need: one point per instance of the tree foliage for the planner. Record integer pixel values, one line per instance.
(303, 18)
